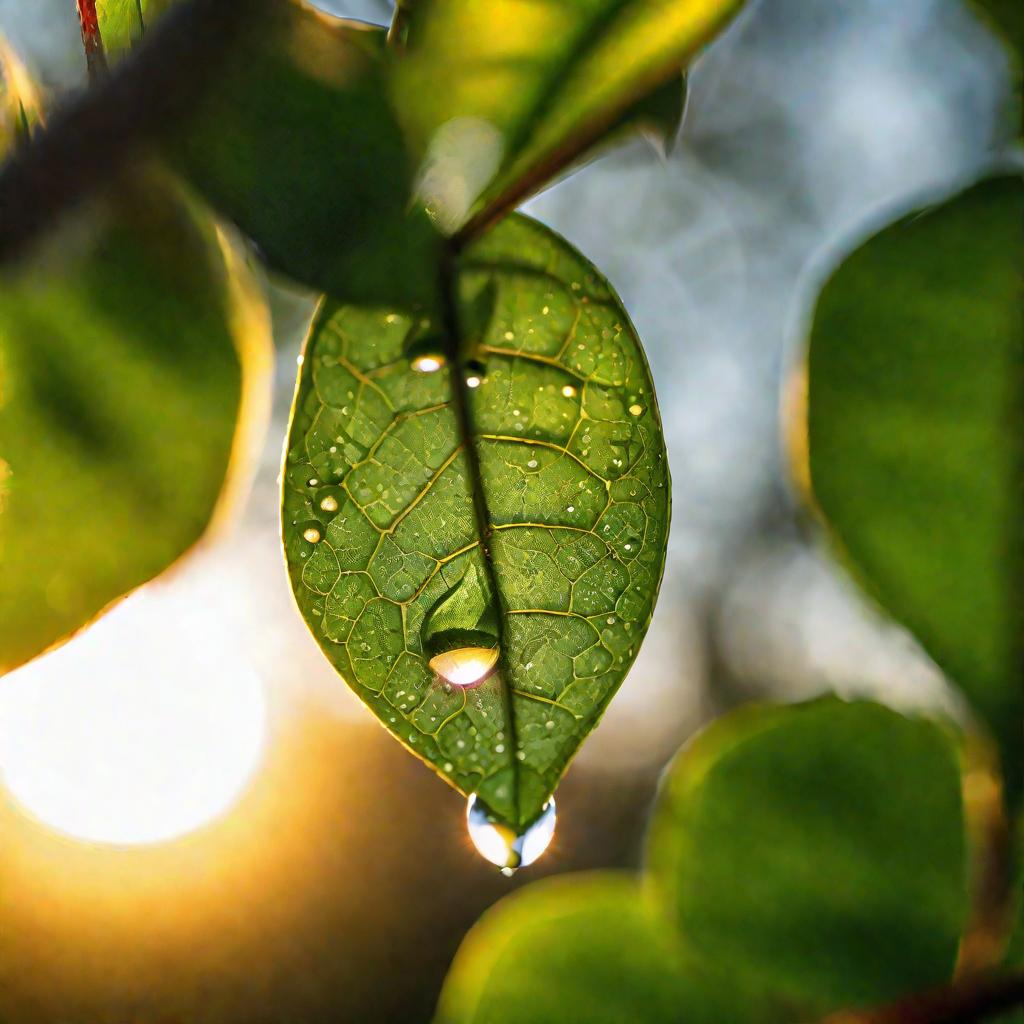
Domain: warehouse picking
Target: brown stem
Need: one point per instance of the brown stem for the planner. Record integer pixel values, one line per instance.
(89, 140)
(92, 40)
(979, 998)
(399, 24)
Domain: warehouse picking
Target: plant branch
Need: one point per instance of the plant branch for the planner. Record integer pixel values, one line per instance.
(979, 998)
(88, 141)
(92, 40)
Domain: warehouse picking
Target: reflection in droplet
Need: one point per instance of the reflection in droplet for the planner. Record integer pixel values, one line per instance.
(636, 410)
(427, 363)
(500, 845)
(467, 666)
(312, 534)
(472, 382)
(329, 504)
(569, 391)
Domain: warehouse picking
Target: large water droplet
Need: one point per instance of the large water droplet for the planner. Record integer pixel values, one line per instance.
(465, 666)
(500, 844)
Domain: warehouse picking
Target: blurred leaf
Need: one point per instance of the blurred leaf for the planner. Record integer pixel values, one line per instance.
(915, 394)
(818, 850)
(529, 85)
(1007, 18)
(129, 359)
(20, 104)
(584, 948)
(382, 542)
(297, 144)
(124, 22)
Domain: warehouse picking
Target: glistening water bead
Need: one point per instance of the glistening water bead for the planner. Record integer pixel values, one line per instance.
(501, 845)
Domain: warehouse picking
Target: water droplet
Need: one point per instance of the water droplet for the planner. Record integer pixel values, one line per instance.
(502, 846)
(569, 391)
(636, 410)
(330, 503)
(428, 363)
(312, 481)
(467, 666)
(312, 534)
(473, 381)
(532, 464)
(509, 335)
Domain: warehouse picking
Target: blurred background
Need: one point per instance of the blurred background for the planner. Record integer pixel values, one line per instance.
(199, 822)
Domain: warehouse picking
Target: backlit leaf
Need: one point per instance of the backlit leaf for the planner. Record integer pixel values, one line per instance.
(585, 948)
(295, 141)
(818, 850)
(915, 392)
(385, 555)
(130, 359)
(528, 86)
(124, 22)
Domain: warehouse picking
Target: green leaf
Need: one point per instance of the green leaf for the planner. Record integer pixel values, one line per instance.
(129, 364)
(529, 87)
(818, 850)
(1006, 17)
(916, 452)
(386, 558)
(295, 141)
(585, 948)
(124, 22)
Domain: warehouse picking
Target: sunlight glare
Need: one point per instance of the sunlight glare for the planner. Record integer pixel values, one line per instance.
(144, 727)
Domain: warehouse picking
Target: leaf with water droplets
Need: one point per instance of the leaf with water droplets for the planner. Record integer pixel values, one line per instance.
(560, 579)
(529, 88)
(131, 352)
(916, 454)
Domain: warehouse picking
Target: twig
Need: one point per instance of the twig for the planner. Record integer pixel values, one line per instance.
(979, 998)
(90, 139)
(92, 40)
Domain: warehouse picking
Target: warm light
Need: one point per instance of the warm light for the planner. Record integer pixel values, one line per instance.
(504, 847)
(427, 364)
(467, 666)
(142, 728)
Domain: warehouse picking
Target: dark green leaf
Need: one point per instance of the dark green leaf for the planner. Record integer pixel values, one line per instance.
(915, 385)
(1007, 18)
(817, 850)
(529, 87)
(584, 948)
(385, 555)
(295, 141)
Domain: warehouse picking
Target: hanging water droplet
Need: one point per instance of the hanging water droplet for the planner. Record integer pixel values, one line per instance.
(466, 666)
(500, 844)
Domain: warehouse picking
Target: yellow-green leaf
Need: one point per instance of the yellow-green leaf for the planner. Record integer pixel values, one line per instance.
(526, 86)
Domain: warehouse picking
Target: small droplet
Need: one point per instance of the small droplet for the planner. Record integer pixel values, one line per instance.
(569, 391)
(509, 335)
(330, 503)
(312, 481)
(532, 464)
(571, 508)
(312, 534)
(636, 410)
(427, 363)
(500, 844)
(473, 382)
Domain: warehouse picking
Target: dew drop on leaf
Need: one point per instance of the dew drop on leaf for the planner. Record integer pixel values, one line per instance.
(500, 844)
(427, 363)
(466, 667)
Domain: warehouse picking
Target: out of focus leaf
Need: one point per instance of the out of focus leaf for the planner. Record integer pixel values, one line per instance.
(585, 948)
(124, 22)
(529, 86)
(817, 850)
(386, 558)
(1007, 18)
(130, 354)
(915, 399)
(295, 141)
